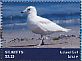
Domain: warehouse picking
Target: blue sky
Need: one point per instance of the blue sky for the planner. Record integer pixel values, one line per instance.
(40, 0)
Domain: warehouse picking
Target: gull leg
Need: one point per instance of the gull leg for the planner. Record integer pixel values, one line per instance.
(41, 41)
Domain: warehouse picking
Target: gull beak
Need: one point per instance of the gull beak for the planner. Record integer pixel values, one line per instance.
(22, 12)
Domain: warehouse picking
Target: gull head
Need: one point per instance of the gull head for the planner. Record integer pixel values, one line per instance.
(30, 10)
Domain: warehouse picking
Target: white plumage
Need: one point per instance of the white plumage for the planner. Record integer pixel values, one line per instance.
(41, 25)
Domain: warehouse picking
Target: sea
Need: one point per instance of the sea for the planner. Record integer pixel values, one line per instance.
(65, 14)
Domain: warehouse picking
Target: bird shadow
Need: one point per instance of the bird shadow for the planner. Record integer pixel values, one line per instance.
(24, 46)
(31, 45)
(48, 44)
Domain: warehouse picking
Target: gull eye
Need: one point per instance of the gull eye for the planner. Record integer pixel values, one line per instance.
(29, 9)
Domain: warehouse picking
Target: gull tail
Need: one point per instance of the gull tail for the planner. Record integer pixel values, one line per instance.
(67, 30)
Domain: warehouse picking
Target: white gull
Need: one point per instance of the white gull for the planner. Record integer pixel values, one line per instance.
(40, 25)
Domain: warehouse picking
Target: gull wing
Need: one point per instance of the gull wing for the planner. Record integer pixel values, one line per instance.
(49, 25)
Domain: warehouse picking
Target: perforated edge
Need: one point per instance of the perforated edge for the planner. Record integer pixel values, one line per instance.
(1, 31)
(81, 29)
(0, 24)
(38, 1)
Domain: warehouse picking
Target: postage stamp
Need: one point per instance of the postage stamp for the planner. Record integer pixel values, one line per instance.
(37, 25)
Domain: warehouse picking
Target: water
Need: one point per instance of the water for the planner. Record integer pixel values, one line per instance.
(64, 14)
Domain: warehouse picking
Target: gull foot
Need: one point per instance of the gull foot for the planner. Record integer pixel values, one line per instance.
(42, 43)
